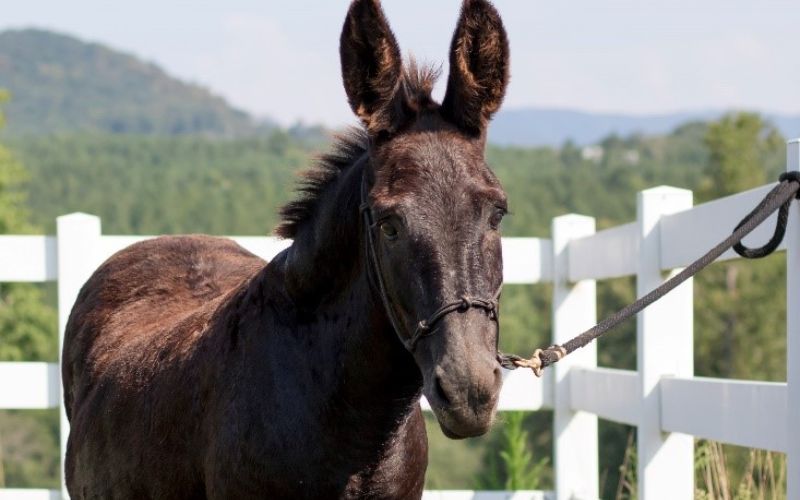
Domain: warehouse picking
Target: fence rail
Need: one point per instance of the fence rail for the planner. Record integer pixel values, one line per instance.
(667, 404)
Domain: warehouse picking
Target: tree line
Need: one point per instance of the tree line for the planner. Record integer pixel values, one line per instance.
(164, 185)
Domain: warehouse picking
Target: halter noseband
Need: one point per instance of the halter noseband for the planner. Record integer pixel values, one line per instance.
(425, 327)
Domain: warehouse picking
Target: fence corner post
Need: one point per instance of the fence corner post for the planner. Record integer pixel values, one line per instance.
(575, 439)
(664, 347)
(793, 330)
(78, 237)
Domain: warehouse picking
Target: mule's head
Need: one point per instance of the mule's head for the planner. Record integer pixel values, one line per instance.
(437, 206)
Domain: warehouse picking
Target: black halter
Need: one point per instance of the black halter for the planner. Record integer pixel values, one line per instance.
(425, 327)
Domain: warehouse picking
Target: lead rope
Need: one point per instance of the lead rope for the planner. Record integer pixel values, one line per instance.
(779, 198)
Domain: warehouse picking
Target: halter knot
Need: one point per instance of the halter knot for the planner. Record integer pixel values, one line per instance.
(492, 308)
(466, 303)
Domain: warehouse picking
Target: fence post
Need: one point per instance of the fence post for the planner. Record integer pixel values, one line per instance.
(664, 346)
(574, 310)
(793, 330)
(78, 239)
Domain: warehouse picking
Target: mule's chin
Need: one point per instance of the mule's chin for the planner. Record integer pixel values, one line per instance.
(464, 423)
(452, 435)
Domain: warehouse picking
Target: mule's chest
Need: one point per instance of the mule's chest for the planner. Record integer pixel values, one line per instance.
(396, 473)
(402, 481)
(315, 460)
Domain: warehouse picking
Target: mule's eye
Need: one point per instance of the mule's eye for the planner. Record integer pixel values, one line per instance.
(497, 218)
(388, 230)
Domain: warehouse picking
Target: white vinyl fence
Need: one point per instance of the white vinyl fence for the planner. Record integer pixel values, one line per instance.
(667, 404)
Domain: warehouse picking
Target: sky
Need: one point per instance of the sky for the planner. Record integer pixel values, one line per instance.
(279, 58)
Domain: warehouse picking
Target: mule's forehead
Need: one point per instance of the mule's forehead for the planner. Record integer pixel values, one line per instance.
(424, 163)
(440, 152)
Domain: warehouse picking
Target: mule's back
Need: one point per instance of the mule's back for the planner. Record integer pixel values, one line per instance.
(136, 327)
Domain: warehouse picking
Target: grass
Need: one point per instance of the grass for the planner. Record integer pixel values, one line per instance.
(722, 472)
(763, 475)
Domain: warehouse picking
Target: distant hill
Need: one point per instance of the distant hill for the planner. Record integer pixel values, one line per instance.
(60, 83)
(552, 127)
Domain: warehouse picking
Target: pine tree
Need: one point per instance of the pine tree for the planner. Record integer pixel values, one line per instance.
(27, 325)
(28, 440)
(741, 305)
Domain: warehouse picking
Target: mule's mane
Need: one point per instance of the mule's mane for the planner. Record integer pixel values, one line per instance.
(346, 149)
(417, 84)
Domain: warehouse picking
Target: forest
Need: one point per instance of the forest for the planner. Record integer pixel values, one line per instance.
(150, 184)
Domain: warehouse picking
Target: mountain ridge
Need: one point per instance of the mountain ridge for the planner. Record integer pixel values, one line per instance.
(554, 126)
(63, 84)
(60, 83)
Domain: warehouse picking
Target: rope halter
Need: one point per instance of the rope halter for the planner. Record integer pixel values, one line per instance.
(425, 327)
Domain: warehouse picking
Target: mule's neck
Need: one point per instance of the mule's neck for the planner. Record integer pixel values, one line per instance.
(327, 280)
(326, 256)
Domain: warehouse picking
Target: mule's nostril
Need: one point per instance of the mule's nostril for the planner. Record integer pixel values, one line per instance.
(440, 394)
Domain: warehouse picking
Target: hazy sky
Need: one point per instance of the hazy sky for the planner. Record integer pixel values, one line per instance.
(280, 58)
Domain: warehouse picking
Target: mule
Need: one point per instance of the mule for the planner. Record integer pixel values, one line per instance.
(193, 369)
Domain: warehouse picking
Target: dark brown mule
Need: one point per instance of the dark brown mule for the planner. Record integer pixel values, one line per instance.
(193, 369)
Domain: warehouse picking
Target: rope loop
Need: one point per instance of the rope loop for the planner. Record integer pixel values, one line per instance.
(774, 242)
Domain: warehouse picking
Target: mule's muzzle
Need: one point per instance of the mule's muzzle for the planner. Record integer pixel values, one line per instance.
(464, 398)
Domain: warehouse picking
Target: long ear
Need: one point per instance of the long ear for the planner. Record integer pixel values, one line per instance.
(372, 66)
(479, 61)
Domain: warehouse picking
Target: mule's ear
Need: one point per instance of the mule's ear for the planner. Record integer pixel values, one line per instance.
(479, 61)
(372, 66)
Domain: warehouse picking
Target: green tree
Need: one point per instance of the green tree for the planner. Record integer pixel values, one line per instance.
(512, 466)
(12, 215)
(154, 185)
(28, 440)
(741, 306)
(522, 473)
(27, 325)
(740, 145)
